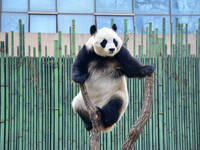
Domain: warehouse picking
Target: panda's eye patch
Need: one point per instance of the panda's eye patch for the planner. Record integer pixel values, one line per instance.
(115, 42)
(103, 43)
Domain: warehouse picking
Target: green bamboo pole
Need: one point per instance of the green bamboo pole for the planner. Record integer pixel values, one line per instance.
(39, 93)
(111, 22)
(43, 92)
(3, 96)
(164, 53)
(142, 42)
(20, 37)
(171, 40)
(198, 48)
(125, 33)
(60, 119)
(70, 39)
(52, 103)
(34, 135)
(186, 39)
(23, 40)
(153, 45)
(157, 43)
(56, 108)
(12, 43)
(7, 103)
(73, 38)
(147, 42)
(150, 42)
(48, 101)
(26, 104)
(6, 44)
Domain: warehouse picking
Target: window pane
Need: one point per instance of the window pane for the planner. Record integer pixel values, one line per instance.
(15, 5)
(117, 6)
(151, 6)
(42, 5)
(105, 21)
(43, 23)
(10, 22)
(192, 22)
(82, 23)
(186, 7)
(72, 6)
(143, 21)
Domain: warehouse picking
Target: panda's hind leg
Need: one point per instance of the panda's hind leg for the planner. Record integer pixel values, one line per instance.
(79, 106)
(86, 119)
(110, 112)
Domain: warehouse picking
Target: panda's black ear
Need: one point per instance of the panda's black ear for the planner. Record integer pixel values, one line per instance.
(114, 27)
(93, 29)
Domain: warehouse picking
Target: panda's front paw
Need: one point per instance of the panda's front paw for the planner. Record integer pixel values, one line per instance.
(147, 71)
(80, 78)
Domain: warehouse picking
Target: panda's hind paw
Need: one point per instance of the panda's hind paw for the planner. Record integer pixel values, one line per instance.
(100, 114)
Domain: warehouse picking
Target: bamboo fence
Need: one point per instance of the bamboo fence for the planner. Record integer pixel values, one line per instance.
(36, 94)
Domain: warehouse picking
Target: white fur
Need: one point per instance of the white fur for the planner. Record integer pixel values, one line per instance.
(108, 34)
(100, 86)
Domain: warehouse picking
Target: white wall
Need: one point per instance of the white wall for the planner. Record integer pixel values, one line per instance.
(48, 40)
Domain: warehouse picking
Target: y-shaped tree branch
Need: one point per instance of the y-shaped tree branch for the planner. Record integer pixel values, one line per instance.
(143, 117)
(136, 128)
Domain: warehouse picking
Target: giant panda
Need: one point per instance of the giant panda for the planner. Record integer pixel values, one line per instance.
(102, 64)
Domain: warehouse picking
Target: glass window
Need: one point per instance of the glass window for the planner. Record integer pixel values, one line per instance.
(186, 7)
(43, 23)
(123, 6)
(15, 5)
(82, 23)
(10, 22)
(151, 6)
(80, 6)
(143, 21)
(42, 5)
(105, 21)
(192, 22)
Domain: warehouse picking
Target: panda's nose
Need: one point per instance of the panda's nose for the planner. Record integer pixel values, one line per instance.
(111, 49)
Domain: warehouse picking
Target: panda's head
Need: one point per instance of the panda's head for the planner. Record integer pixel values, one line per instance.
(105, 41)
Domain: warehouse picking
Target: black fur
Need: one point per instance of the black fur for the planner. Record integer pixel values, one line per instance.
(86, 119)
(103, 43)
(114, 27)
(115, 42)
(128, 65)
(131, 66)
(93, 29)
(80, 66)
(109, 114)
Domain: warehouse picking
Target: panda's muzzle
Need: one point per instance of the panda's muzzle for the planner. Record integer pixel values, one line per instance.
(111, 50)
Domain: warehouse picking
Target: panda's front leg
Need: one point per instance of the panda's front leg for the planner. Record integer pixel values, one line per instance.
(131, 67)
(110, 113)
(80, 66)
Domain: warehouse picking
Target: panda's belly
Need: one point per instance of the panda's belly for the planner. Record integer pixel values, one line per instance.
(103, 83)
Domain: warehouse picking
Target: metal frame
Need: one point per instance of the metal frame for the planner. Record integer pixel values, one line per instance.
(95, 14)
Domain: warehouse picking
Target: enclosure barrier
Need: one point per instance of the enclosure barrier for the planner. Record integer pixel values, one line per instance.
(36, 94)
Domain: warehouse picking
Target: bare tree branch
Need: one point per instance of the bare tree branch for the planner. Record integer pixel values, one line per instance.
(95, 134)
(136, 128)
(143, 117)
